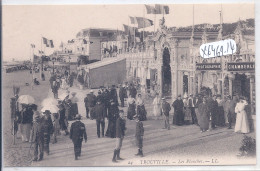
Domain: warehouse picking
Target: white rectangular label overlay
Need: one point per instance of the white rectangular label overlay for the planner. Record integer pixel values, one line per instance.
(220, 48)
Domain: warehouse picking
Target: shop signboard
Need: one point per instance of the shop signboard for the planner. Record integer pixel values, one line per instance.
(240, 66)
(208, 66)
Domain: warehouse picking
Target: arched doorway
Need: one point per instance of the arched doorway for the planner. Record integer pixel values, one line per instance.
(166, 73)
(241, 85)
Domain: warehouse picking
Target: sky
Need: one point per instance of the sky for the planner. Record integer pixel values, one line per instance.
(23, 25)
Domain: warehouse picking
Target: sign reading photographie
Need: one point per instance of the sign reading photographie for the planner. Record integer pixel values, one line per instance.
(208, 66)
(220, 48)
(240, 66)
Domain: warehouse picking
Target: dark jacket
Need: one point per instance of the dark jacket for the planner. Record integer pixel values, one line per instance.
(178, 105)
(25, 116)
(47, 126)
(37, 133)
(122, 93)
(120, 128)
(78, 131)
(92, 99)
(99, 112)
(113, 95)
(113, 112)
(139, 131)
(213, 106)
(86, 101)
(100, 98)
(132, 92)
(166, 108)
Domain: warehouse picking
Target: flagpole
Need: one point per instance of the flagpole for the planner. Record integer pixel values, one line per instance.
(134, 36)
(143, 23)
(128, 34)
(32, 67)
(154, 23)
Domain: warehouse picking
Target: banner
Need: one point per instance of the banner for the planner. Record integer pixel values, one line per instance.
(143, 22)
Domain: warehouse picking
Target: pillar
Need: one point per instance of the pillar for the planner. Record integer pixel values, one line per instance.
(252, 93)
(230, 84)
(159, 80)
(219, 87)
(223, 86)
(199, 82)
(173, 85)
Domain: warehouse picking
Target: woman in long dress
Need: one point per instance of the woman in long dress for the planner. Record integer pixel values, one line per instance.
(220, 112)
(74, 105)
(141, 112)
(203, 113)
(187, 111)
(113, 114)
(157, 107)
(131, 107)
(242, 124)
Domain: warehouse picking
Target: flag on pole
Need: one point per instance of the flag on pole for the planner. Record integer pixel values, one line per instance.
(133, 20)
(129, 29)
(41, 52)
(143, 22)
(47, 42)
(33, 45)
(162, 9)
(150, 9)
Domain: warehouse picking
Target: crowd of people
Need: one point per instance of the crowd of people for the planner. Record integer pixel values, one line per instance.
(203, 111)
(210, 112)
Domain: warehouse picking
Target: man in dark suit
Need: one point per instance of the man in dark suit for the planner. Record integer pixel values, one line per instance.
(86, 106)
(132, 91)
(37, 136)
(197, 101)
(99, 113)
(91, 102)
(120, 133)
(192, 109)
(139, 134)
(122, 95)
(213, 106)
(77, 132)
(48, 130)
(166, 112)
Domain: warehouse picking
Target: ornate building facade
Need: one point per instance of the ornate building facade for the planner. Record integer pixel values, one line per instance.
(171, 64)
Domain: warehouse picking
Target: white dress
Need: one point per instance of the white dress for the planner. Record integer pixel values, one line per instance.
(157, 106)
(242, 124)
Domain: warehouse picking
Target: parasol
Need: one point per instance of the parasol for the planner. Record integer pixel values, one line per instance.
(63, 96)
(26, 99)
(51, 108)
(49, 101)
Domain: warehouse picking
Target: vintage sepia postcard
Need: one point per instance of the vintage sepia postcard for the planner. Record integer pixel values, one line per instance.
(161, 84)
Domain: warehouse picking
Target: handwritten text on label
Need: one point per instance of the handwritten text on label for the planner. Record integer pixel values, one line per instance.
(220, 48)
